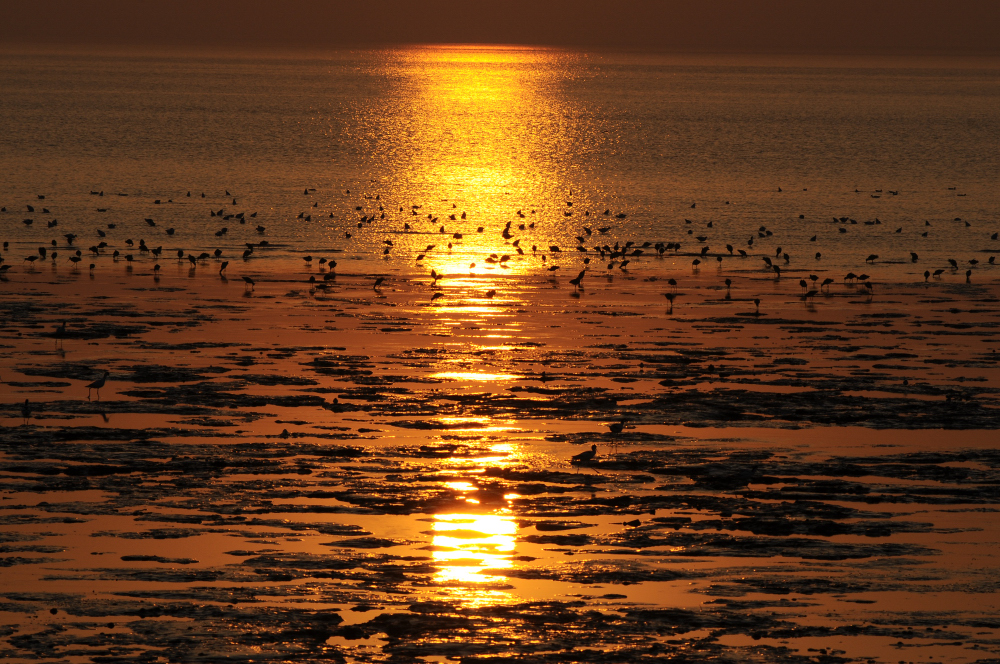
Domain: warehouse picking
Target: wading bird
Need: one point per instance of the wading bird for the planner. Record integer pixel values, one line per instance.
(584, 457)
(97, 385)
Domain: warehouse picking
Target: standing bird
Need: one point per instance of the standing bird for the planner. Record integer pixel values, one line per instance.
(25, 411)
(97, 385)
(584, 457)
(378, 282)
(616, 430)
(223, 266)
(247, 281)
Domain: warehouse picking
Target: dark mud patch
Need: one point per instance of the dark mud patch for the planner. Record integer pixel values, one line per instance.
(159, 559)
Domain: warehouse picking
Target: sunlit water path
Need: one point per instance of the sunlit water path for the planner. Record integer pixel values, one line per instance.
(371, 462)
(425, 146)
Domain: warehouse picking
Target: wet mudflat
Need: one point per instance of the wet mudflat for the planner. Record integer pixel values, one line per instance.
(344, 473)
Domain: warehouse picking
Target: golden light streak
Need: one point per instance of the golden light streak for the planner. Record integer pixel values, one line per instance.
(456, 136)
(466, 544)
(471, 375)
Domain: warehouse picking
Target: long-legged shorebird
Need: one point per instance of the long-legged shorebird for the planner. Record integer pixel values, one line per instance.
(584, 457)
(25, 411)
(97, 385)
(616, 430)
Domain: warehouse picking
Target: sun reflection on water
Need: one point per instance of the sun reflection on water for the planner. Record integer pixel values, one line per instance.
(465, 545)
(483, 135)
(472, 546)
(472, 375)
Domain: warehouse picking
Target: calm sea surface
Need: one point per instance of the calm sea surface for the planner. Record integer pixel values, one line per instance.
(489, 132)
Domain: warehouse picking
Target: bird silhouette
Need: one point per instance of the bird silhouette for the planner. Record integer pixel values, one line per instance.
(584, 457)
(97, 385)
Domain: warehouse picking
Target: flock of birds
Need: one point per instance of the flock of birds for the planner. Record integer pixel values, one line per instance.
(617, 256)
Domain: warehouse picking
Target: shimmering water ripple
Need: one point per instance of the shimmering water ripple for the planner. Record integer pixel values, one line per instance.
(491, 131)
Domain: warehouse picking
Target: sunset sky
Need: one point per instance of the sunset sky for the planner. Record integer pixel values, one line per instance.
(713, 26)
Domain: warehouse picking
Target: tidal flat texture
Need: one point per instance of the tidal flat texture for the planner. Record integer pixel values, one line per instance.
(336, 472)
